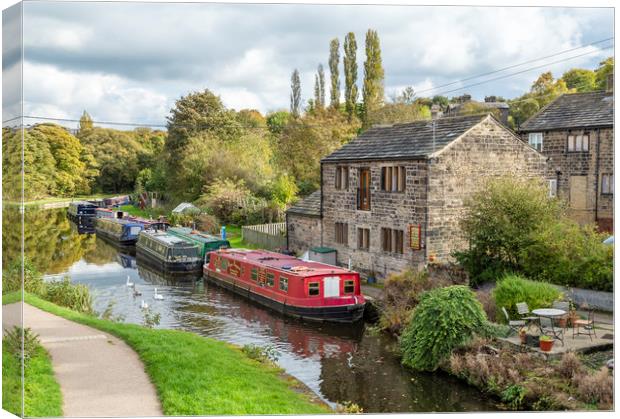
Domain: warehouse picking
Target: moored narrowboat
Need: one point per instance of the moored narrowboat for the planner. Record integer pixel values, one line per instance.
(168, 253)
(303, 289)
(80, 209)
(160, 224)
(118, 231)
(206, 242)
(105, 213)
(116, 201)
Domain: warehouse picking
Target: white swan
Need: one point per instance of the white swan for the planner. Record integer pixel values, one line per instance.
(157, 296)
(144, 305)
(129, 283)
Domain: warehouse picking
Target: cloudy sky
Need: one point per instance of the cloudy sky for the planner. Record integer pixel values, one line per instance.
(129, 62)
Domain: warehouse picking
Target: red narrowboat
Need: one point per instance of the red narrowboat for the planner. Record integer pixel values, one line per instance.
(303, 289)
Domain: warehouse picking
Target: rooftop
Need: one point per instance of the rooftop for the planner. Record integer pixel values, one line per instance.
(574, 110)
(194, 234)
(412, 140)
(167, 239)
(309, 206)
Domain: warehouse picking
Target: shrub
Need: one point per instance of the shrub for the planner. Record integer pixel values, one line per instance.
(401, 293)
(596, 388)
(150, 318)
(223, 197)
(207, 223)
(73, 296)
(488, 303)
(568, 254)
(261, 353)
(514, 395)
(570, 365)
(444, 319)
(513, 289)
(13, 341)
(499, 223)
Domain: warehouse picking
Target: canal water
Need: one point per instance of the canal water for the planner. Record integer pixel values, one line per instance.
(339, 363)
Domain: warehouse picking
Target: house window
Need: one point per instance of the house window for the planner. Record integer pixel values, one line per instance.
(313, 289)
(553, 188)
(349, 287)
(363, 238)
(607, 184)
(283, 284)
(342, 177)
(342, 233)
(392, 240)
(393, 178)
(535, 139)
(254, 274)
(578, 143)
(270, 279)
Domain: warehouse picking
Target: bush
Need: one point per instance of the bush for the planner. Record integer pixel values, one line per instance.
(444, 319)
(207, 223)
(14, 338)
(499, 222)
(596, 388)
(33, 280)
(223, 197)
(73, 296)
(568, 254)
(513, 289)
(401, 293)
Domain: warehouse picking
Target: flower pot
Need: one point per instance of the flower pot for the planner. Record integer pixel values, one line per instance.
(562, 322)
(545, 345)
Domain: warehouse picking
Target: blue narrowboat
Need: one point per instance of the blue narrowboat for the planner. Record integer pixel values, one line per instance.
(168, 253)
(118, 231)
(80, 209)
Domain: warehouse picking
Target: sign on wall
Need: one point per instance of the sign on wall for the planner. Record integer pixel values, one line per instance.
(415, 236)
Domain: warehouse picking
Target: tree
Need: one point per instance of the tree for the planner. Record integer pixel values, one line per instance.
(605, 68)
(321, 103)
(86, 122)
(372, 92)
(580, 79)
(350, 74)
(276, 121)
(334, 62)
(295, 94)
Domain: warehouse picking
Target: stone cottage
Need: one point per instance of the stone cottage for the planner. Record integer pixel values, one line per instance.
(392, 198)
(576, 132)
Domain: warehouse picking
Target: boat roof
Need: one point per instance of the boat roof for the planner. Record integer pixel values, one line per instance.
(196, 235)
(283, 263)
(105, 209)
(82, 203)
(120, 221)
(167, 239)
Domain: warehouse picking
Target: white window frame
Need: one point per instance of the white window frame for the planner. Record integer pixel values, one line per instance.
(535, 139)
(553, 188)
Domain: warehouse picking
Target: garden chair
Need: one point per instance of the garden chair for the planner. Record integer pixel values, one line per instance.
(562, 305)
(586, 324)
(524, 312)
(514, 325)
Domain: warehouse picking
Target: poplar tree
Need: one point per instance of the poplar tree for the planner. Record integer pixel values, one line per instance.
(372, 92)
(295, 93)
(321, 102)
(334, 62)
(350, 73)
(86, 122)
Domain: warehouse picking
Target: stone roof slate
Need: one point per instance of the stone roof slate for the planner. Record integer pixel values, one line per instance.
(574, 110)
(404, 141)
(309, 206)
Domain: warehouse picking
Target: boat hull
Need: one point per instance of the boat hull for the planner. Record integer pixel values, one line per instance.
(339, 314)
(172, 268)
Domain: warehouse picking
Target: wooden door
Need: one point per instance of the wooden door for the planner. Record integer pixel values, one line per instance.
(578, 188)
(364, 190)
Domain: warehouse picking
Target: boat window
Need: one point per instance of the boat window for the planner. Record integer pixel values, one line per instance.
(135, 230)
(270, 279)
(254, 274)
(283, 284)
(313, 288)
(349, 287)
(224, 263)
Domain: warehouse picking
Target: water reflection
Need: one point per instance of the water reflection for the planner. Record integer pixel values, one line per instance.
(340, 363)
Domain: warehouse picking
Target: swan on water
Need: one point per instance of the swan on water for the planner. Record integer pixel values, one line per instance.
(144, 305)
(129, 283)
(157, 296)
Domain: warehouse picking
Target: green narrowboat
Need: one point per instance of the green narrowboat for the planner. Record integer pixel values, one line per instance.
(206, 242)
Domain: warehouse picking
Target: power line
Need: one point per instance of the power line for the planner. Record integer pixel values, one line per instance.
(515, 65)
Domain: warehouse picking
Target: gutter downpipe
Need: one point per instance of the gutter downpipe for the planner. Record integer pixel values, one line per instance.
(321, 203)
(598, 149)
(428, 169)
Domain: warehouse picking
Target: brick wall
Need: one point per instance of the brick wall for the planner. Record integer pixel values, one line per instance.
(304, 232)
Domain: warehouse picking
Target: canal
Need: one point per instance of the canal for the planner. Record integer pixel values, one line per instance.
(339, 363)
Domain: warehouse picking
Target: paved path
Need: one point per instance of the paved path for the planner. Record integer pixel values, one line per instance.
(99, 374)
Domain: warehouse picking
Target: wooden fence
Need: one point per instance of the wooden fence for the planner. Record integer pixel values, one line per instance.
(266, 236)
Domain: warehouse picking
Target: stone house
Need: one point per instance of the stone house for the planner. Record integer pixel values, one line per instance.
(392, 198)
(576, 133)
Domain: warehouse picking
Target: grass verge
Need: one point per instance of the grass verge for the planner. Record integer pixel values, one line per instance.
(42, 395)
(194, 375)
(234, 236)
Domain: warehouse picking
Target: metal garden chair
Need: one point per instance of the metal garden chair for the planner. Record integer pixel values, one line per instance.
(514, 325)
(586, 324)
(524, 312)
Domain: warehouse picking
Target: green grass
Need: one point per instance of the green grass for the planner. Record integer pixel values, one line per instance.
(233, 234)
(11, 297)
(42, 395)
(194, 375)
(145, 213)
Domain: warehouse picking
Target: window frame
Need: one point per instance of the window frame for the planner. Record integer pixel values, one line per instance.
(270, 279)
(553, 188)
(342, 178)
(572, 141)
(341, 233)
(282, 280)
(311, 286)
(392, 240)
(609, 190)
(254, 274)
(394, 179)
(363, 238)
(538, 135)
(345, 284)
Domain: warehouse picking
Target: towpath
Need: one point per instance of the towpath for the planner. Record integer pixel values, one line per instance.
(99, 374)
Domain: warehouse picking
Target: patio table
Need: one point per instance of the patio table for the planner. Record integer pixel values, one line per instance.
(551, 314)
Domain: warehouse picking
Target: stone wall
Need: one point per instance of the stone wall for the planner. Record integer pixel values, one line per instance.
(582, 199)
(396, 210)
(487, 151)
(304, 232)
